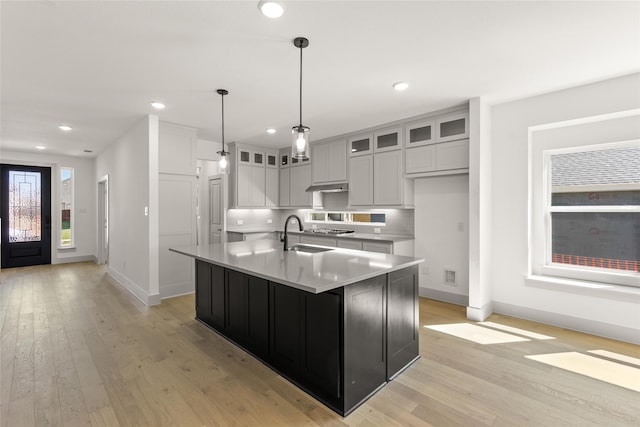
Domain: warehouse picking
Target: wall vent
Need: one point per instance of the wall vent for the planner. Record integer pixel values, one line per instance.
(450, 277)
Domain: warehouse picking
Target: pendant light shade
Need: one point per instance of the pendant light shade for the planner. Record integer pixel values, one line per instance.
(300, 133)
(223, 164)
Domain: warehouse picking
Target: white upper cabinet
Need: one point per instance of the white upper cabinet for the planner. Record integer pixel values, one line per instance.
(360, 144)
(387, 139)
(420, 133)
(388, 179)
(361, 180)
(251, 185)
(299, 181)
(452, 127)
(329, 161)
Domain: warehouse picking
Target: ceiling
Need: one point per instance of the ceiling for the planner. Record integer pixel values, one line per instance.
(96, 65)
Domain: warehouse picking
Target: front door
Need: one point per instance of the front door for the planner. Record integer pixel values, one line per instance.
(26, 215)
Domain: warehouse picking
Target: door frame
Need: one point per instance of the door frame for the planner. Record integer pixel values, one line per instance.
(103, 220)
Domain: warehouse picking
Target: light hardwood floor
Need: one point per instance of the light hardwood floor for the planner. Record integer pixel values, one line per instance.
(77, 349)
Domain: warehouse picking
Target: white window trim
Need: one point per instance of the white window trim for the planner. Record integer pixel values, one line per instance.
(540, 264)
(72, 243)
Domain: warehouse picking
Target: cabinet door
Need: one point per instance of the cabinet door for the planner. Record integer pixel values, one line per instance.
(349, 244)
(284, 159)
(361, 144)
(420, 159)
(257, 339)
(218, 297)
(243, 185)
(364, 338)
(258, 158)
(420, 133)
(452, 127)
(237, 306)
(402, 320)
(338, 160)
(271, 187)
(320, 163)
(361, 181)
(385, 248)
(203, 291)
(244, 156)
(272, 160)
(300, 181)
(285, 319)
(388, 178)
(387, 139)
(258, 186)
(321, 353)
(283, 185)
(452, 155)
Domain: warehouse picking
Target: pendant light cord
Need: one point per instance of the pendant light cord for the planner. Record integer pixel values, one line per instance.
(301, 86)
(222, 95)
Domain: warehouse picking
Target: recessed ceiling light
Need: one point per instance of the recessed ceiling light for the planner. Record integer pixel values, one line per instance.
(41, 147)
(271, 130)
(400, 86)
(65, 128)
(271, 9)
(157, 105)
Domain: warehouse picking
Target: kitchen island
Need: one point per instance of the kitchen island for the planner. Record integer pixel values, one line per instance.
(338, 323)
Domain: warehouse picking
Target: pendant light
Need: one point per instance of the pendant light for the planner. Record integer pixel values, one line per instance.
(223, 163)
(300, 141)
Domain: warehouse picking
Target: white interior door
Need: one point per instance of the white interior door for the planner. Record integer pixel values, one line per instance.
(216, 203)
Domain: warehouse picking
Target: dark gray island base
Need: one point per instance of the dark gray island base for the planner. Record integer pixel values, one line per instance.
(340, 346)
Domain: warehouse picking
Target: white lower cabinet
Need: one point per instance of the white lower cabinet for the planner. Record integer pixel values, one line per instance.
(385, 248)
(317, 240)
(350, 244)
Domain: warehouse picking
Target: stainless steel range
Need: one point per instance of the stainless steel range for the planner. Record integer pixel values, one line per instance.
(327, 231)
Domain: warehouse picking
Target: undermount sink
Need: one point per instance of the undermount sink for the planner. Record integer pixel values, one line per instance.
(309, 249)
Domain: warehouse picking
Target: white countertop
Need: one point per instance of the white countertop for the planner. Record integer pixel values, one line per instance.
(359, 236)
(311, 272)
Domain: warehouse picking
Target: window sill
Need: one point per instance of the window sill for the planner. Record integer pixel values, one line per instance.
(64, 248)
(583, 287)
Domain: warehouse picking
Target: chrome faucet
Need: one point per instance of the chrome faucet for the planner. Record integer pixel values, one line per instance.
(286, 223)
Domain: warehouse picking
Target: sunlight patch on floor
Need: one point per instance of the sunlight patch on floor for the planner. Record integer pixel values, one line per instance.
(516, 331)
(616, 356)
(476, 333)
(594, 367)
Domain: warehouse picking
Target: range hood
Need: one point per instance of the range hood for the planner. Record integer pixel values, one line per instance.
(329, 188)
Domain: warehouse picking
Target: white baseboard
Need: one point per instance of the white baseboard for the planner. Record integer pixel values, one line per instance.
(621, 333)
(480, 314)
(176, 290)
(132, 287)
(444, 296)
(82, 258)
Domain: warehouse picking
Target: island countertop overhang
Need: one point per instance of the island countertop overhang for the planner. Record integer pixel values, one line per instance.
(315, 273)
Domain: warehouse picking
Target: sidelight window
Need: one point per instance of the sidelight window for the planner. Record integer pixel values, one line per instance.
(66, 208)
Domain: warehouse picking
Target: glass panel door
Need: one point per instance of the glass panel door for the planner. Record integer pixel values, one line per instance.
(26, 215)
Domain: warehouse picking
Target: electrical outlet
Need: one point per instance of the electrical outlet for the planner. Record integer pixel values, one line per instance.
(239, 222)
(269, 221)
(376, 230)
(450, 277)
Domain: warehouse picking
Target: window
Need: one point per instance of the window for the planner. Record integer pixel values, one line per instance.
(592, 212)
(66, 208)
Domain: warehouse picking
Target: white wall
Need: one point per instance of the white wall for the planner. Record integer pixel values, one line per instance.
(442, 236)
(604, 313)
(126, 162)
(85, 189)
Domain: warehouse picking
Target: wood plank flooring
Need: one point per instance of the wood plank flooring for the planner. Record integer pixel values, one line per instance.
(77, 349)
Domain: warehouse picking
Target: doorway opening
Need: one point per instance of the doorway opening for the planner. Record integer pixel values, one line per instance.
(103, 220)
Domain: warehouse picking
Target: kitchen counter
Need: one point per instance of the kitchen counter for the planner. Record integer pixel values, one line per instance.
(315, 273)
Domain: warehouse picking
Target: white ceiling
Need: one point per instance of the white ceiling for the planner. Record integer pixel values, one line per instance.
(96, 65)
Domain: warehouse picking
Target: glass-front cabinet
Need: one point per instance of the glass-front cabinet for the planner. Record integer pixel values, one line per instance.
(420, 133)
(387, 139)
(361, 144)
(452, 127)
